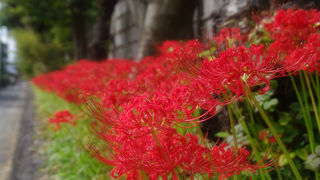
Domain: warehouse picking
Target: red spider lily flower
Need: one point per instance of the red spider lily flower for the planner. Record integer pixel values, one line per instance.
(183, 155)
(134, 153)
(265, 136)
(299, 59)
(134, 107)
(115, 80)
(306, 57)
(168, 48)
(167, 109)
(227, 162)
(96, 110)
(181, 50)
(192, 96)
(62, 117)
(313, 47)
(85, 78)
(291, 28)
(118, 92)
(296, 39)
(230, 37)
(234, 66)
(152, 112)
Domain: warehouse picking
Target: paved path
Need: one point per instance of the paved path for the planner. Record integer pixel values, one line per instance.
(12, 101)
(26, 163)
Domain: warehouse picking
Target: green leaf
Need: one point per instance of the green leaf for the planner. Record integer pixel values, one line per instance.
(302, 153)
(283, 159)
(222, 134)
(317, 150)
(267, 105)
(284, 118)
(313, 162)
(208, 53)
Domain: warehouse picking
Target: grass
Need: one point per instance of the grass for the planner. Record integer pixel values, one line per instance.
(63, 150)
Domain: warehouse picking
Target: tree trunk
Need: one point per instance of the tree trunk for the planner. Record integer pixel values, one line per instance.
(101, 30)
(166, 19)
(78, 28)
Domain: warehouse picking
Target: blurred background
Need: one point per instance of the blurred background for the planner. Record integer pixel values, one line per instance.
(42, 36)
(38, 36)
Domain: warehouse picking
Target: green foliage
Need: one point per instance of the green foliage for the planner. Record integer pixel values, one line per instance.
(313, 162)
(289, 125)
(36, 56)
(242, 139)
(41, 16)
(260, 36)
(44, 35)
(63, 150)
(266, 101)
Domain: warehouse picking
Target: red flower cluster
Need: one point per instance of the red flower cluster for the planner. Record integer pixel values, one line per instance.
(265, 136)
(230, 37)
(296, 38)
(291, 28)
(136, 106)
(77, 81)
(62, 117)
(232, 68)
(170, 153)
(227, 73)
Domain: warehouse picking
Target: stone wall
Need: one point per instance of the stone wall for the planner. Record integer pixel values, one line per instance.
(124, 31)
(208, 16)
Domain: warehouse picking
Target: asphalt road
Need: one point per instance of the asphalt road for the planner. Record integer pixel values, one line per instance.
(12, 101)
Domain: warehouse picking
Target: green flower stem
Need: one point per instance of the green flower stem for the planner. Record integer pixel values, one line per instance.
(233, 130)
(312, 81)
(248, 105)
(253, 146)
(252, 176)
(318, 88)
(279, 174)
(315, 108)
(200, 133)
(317, 80)
(252, 141)
(154, 135)
(274, 132)
(203, 142)
(307, 105)
(305, 97)
(250, 110)
(315, 85)
(144, 175)
(306, 118)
